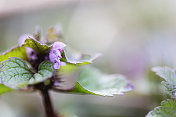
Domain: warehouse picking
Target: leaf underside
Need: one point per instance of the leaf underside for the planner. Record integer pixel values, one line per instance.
(92, 81)
(167, 109)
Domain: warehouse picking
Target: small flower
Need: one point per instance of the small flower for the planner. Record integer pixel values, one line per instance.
(31, 54)
(55, 54)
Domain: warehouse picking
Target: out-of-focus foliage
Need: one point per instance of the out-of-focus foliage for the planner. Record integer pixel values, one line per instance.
(169, 75)
(4, 89)
(167, 109)
(76, 57)
(92, 81)
(132, 36)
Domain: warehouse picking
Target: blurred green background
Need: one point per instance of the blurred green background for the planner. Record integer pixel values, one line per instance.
(132, 35)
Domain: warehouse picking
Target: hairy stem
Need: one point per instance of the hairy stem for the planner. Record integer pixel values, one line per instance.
(47, 103)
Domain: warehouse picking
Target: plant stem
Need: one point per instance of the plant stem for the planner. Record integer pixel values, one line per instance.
(47, 103)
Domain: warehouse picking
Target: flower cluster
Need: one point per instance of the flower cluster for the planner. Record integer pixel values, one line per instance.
(55, 54)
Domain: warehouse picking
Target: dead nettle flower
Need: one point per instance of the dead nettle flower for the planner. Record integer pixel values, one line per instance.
(55, 54)
(32, 66)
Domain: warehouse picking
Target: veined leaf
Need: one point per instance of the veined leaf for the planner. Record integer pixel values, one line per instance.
(46, 71)
(37, 46)
(15, 73)
(92, 81)
(167, 109)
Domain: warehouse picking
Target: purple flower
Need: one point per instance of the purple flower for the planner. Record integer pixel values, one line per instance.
(55, 54)
(31, 54)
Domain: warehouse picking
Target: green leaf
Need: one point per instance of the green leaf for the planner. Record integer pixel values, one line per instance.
(46, 71)
(166, 73)
(169, 75)
(19, 52)
(171, 88)
(4, 89)
(75, 57)
(167, 109)
(37, 46)
(15, 73)
(68, 69)
(92, 81)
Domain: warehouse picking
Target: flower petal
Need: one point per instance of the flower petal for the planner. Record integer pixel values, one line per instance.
(62, 63)
(58, 45)
(56, 65)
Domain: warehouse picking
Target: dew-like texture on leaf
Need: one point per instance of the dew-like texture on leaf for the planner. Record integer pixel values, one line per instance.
(45, 71)
(19, 52)
(4, 89)
(167, 109)
(169, 75)
(14, 73)
(37, 46)
(92, 81)
(75, 57)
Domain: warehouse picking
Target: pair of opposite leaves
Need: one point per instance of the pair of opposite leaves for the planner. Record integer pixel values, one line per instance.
(15, 73)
